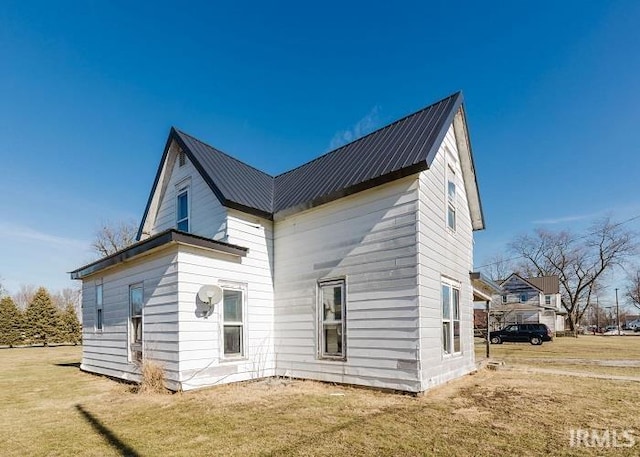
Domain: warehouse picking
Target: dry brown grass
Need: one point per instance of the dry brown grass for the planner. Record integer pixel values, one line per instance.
(152, 374)
(49, 407)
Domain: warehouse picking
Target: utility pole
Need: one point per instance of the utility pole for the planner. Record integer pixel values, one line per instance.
(617, 312)
(597, 316)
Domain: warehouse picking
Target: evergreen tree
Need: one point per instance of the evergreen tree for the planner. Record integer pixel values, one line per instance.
(42, 319)
(10, 323)
(71, 329)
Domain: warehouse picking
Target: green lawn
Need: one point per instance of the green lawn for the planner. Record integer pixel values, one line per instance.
(51, 408)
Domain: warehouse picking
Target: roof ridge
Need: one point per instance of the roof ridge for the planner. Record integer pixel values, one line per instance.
(223, 153)
(415, 113)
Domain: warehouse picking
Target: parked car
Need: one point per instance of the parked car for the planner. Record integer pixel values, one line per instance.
(522, 333)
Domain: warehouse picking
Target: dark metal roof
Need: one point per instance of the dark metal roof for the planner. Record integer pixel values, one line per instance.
(547, 284)
(235, 183)
(402, 148)
(153, 242)
(405, 147)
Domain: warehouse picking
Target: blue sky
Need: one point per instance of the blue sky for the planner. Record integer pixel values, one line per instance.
(90, 89)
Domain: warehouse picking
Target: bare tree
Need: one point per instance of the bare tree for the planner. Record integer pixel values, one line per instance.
(68, 296)
(633, 289)
(580, 262)
(111, 238)
(498, 267)
(23, 297)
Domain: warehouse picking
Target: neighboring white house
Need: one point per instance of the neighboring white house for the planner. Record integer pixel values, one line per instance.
(352, 268)
(528, 301)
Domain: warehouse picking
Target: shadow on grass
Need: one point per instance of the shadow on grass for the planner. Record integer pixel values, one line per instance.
(70, 364)
(112, 438)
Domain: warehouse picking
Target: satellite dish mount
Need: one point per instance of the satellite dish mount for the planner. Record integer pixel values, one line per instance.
(210, 295)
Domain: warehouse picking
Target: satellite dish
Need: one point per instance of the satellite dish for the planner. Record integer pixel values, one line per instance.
(210, 294)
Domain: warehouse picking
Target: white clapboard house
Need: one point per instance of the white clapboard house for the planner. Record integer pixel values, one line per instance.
(352, 268)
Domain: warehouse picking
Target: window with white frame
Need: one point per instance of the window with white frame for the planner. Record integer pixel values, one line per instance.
(182, 159)
(547, 299)
(450, 319)
(136, 299)
(332, 319)
(451, 199)
(523, 298)
(504, 299)
(233, 322)
(182, 210)
(99, 306)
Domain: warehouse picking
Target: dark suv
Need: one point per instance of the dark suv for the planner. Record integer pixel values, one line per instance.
(516, 333)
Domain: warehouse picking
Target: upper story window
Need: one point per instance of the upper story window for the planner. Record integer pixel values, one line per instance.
(451, 199)
(547, 299)
(504, 299)
(523, 298)
(182, 158)
(233, 322)
(182, 210)
(450, 319)
(98, 306)
(332, 319)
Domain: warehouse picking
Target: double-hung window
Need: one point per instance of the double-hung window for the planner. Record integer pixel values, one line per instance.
(547, 299)
(450, 319)
(451, 199)
(332, 319)
(136, 298)
(182, 210)
(99, 307)
(233, 323)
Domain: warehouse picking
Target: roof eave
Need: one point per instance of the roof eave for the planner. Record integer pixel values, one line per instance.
(151, 244)
(369, 184)
(465, 153)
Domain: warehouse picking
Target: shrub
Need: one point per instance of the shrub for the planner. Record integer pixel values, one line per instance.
(152, 377)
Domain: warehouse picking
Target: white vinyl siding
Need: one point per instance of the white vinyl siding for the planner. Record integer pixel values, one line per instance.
(206, 216)
(444, 256)
(202, 356)
(108, 352)
(370, 239)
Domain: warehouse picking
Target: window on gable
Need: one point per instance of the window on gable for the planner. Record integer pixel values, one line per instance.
(136, 299)
(450, 319)
(182, 209)
(504, 299)
(98, 306)
(451, 199)
(523, 298)
(332, 319)
(233, 322)
(182, 158)
(547, 299)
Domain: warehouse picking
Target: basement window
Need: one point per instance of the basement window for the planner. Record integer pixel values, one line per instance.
(332, 319)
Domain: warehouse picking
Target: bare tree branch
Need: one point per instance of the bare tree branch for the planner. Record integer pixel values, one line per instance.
(580, 262)
(111, 238)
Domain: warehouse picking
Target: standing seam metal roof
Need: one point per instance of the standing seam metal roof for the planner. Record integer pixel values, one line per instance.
(399, 149)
